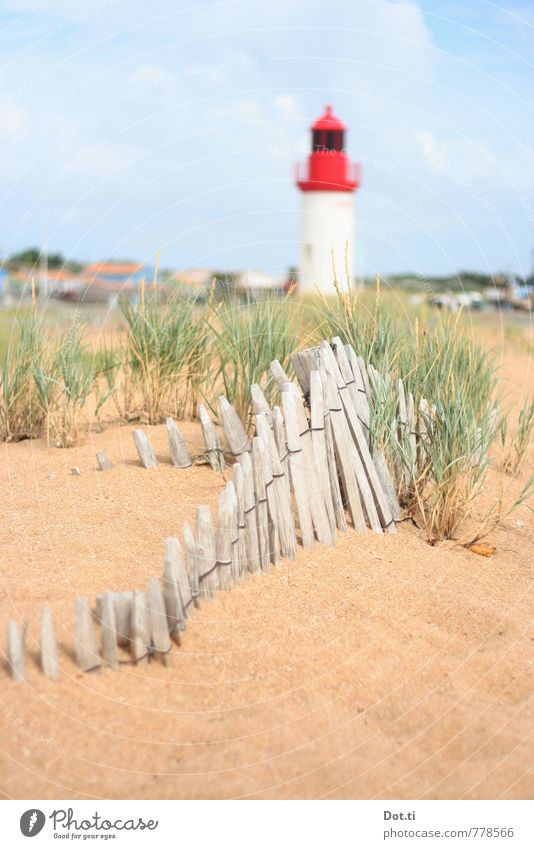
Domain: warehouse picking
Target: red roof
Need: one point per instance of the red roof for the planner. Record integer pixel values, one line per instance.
(328, 121)
(98, 268)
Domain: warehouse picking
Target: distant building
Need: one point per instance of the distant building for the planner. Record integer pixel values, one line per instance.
(258, 283)
(196, 279)
(107, 281)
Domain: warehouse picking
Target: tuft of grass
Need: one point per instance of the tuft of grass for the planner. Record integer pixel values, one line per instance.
(516, 449)
(21, 412)
(71, 381)
(164, 353)
(457, 379)
(246, 339)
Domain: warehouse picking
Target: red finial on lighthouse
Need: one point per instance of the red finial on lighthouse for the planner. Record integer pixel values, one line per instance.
(328, 167)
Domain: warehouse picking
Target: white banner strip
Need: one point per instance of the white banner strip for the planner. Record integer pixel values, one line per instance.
(268, 824)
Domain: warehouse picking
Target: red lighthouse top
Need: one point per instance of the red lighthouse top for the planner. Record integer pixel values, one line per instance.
(328, 167)
(328, 121)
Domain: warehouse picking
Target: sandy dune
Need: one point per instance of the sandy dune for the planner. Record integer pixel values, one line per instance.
(379, 668)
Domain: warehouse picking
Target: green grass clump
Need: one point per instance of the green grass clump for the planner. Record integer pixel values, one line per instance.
(457, 379)
(245, 339)
(21, 412)
(164, 353)
(517, 446)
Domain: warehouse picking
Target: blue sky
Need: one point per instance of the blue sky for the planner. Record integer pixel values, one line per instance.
(128, 127)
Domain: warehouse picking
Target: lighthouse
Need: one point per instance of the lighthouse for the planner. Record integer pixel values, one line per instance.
(327, 180)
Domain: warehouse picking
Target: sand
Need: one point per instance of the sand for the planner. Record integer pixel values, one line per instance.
(381, 668)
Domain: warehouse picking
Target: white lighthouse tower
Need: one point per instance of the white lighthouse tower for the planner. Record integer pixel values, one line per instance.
(327, 181)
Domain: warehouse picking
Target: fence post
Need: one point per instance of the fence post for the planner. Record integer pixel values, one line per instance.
(296, 463)
(180, 456)
(108, 631)
(157, 618)
(319, 443)
(104, 463)
(205, 542)
(237, 478)
(234, 430)
(224, 535)
(144, 449)
(374, 499)
(15, 651)
(251, 514)
(140, 631)
(343, 452)
(85, 645)
(172, 597)
(279, 502)
(260, 404)
(211, 439)
(192, 563)
(316, 495)
(48, 646)
(261, 476)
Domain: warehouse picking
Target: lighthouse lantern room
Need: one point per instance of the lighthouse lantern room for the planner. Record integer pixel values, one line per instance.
(327, 180)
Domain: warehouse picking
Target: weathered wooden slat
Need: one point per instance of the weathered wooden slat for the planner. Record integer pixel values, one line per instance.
(337, 500)
(15, 651)
(374, 498)
(323, 530)
(180, 456)
(359, 398)
(259, 402)
(122, 602)
(303, 363)
(144, 449)
(297, 467)
(174, 606)
(225, 535)
(262, 477)
(251, 518)
(85, 645)
(279, 499)
(364, 397)
(48, 646)
(343, 451)
(272, 490)
(234, 430)
(108, 632)
(279, 432)
(123, 616)
(317, 408)
(192, 563)
(104, 463)
(205, 542)
(184, 584)
(157, 618)
(388, 485)
(237, 478)
(140, 643)
(279, 374)
(211, 439)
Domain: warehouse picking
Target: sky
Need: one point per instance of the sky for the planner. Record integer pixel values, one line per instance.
(129, 127)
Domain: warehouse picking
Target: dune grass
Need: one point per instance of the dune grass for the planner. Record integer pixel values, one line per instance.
(442, 366)
(21, 413)
(244, 340)
(165, 345)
